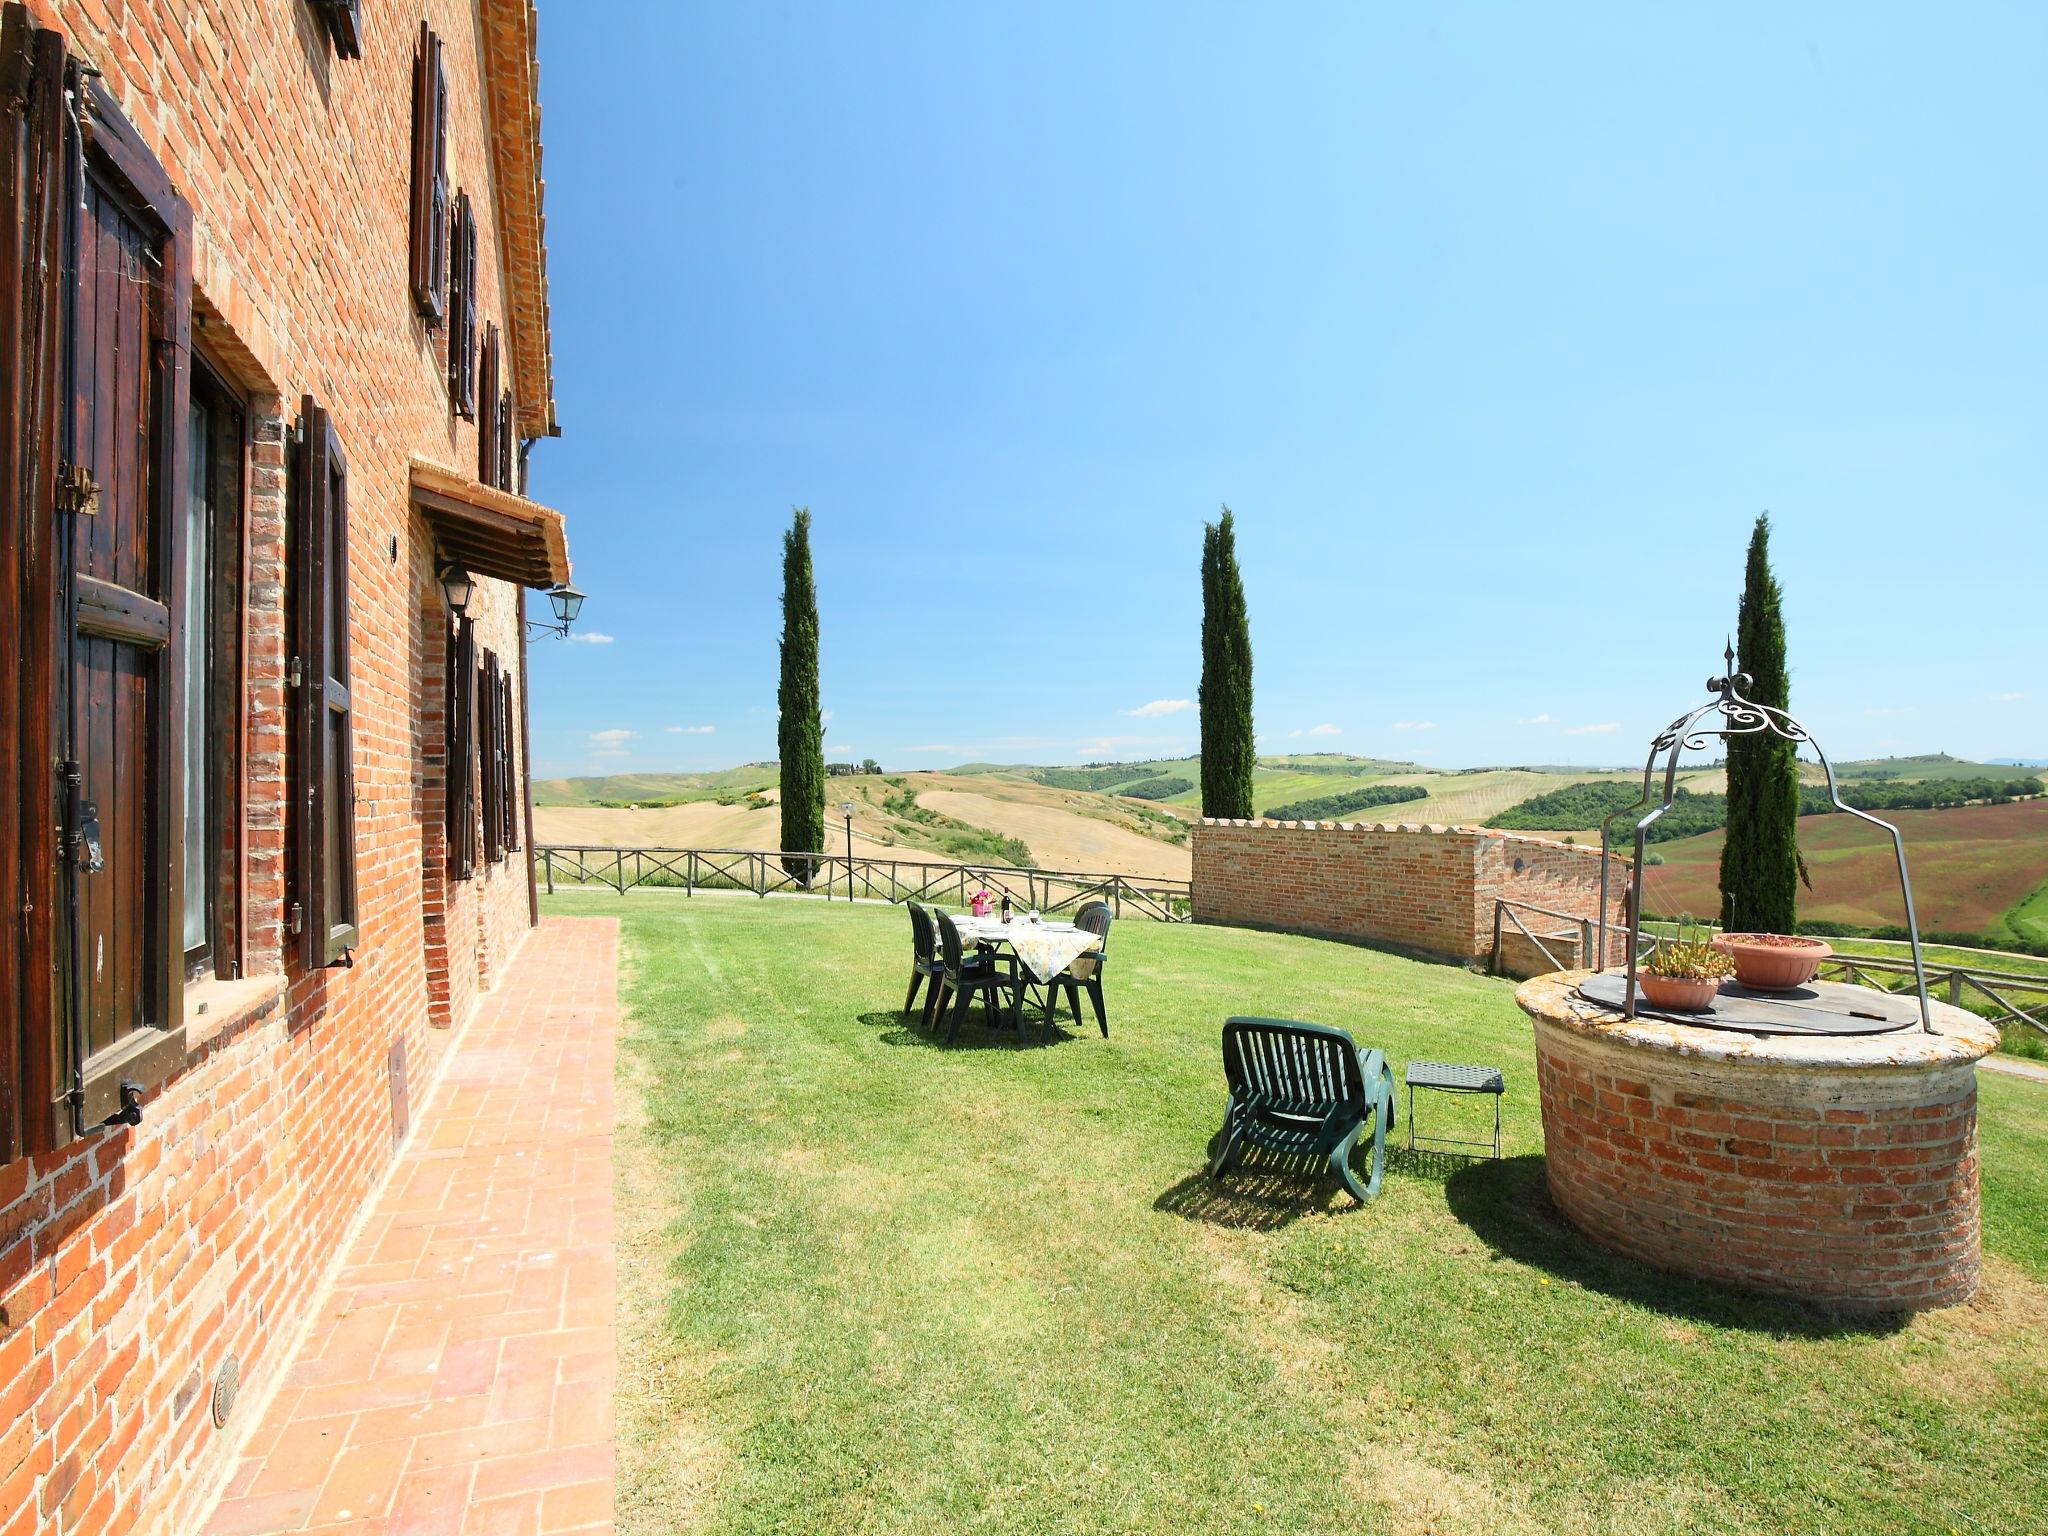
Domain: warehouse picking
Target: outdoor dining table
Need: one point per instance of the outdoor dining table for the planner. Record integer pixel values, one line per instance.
(1043, 949)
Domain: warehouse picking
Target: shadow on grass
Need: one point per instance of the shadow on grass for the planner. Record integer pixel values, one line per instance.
(1264, 1192)
(1432, 1163)
(976, 1033)
(1507, 1206)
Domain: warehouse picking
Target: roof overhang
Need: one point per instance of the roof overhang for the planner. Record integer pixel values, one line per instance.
(512, 84)
(491, 532)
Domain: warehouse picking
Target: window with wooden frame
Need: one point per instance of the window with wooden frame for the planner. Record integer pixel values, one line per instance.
(489, 428)
(429, 178)
(461, 746)
(95, 245)
(344, 19)
(462, 311)
(509, 780)
(210, 666)
(323, 785)
(491, 756)
(506, 480)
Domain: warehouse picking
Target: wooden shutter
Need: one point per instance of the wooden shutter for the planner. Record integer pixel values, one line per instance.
(429, 178)
(462, 311)
(489, 760)
(505, 439)
(461, 749)
(324, 794)
(344, 20)
(118, 711)
(508, 780)
(33, 200)
(488, 426)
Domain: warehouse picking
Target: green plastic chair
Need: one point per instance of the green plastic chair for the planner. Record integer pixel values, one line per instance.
(1303, 1090)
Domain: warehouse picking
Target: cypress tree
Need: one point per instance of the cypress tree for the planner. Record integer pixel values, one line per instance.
(800, 728)
(1228, 752)
(1760, 858)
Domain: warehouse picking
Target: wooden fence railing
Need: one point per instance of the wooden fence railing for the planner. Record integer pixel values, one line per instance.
(834, 875)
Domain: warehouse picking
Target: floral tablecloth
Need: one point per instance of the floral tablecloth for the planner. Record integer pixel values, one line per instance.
(1046, 949)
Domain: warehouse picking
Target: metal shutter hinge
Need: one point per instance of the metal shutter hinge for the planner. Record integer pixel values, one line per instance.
(296, 919)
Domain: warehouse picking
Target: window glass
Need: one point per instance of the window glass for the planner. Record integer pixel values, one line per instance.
(198, 515)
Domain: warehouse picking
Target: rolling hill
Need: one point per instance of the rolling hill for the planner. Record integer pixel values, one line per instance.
(1978, 869)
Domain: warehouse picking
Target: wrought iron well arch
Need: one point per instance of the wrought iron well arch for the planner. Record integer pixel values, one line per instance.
(1691, 732)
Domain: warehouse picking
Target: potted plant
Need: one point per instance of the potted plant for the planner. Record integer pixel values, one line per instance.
(980, 902)
(1773, 962)
(1684, 973)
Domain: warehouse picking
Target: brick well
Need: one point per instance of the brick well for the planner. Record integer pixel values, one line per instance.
(1835, 1169)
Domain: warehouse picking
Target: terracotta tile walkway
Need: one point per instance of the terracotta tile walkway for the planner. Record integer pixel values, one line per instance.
(458, 1378)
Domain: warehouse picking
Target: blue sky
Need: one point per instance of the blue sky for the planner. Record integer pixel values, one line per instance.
(1496, 325)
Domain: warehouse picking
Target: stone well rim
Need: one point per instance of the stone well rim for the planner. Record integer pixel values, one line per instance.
(1959, 1038)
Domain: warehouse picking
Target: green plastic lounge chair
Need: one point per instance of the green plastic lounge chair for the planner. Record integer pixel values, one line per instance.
(1303, 1090)
(1085, 972)
(961, 977)
(924, 958)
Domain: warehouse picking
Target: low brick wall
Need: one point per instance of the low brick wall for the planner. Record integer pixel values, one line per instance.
(1430, 889)
(1840, 1170)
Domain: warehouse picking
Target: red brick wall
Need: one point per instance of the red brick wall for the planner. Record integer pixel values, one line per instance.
(1858, 1190)
(133, 1263)
(1426, 888)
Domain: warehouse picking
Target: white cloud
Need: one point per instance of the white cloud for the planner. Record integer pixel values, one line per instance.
(1320, 730)
(840, 751)
(1414, 725)
(934, 746)
(592, 637)
(1542, 719)
(825, 715)
(1604, 728)
(692, 730)
(2007, 698)
(610, 743)
(1160, 707)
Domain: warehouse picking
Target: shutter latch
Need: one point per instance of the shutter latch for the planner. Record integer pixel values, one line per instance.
(80, 840)
(296, 920)
(130, 1112)
(77, 491)
(294, 673)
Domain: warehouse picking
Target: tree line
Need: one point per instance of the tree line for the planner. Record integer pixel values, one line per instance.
(1693, 812)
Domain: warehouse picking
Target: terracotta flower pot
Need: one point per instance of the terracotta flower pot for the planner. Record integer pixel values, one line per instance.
(1773, 962)
(1680, 994)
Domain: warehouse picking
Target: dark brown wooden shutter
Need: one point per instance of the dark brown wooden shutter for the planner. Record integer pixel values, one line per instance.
(462, 311)
(119, 715)
(344, 20)
(488, 425)
(324, 767)
(429, 178)
(506, 435)
(489, 759)
(33, 199)
(461, 751)
(508, 780)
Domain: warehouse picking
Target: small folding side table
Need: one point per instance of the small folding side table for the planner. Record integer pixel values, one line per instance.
(1449, 1077)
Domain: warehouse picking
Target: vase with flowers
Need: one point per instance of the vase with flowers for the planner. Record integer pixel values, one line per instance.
(1684, 973)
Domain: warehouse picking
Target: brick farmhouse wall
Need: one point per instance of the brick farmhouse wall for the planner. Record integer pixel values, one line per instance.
(134, 1262)
(1430, 889)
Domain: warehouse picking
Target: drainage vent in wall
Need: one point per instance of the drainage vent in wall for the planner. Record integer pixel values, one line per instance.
(225, 1386)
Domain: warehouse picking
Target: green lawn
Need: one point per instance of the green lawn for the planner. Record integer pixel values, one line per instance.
(874, 1286)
